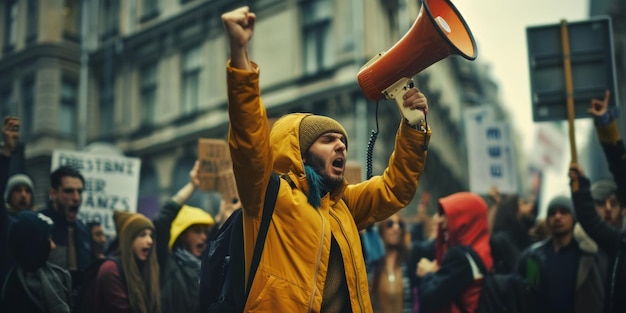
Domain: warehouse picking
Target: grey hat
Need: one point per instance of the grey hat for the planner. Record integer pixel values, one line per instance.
(562, 202)
(602, 189)
(15, 181)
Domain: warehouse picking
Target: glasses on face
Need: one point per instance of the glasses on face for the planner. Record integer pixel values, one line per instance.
(72, 190)
(390, 223)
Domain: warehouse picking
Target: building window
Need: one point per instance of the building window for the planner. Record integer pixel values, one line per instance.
(70, 17)
(67, 110)
(32, 20)
(148, 78)
(28, 102)
(10, 24)
(191, 68)
(150, 10)
(111, 17)
(317, 49)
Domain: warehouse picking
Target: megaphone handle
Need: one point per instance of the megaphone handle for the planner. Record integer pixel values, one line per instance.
(396, 92)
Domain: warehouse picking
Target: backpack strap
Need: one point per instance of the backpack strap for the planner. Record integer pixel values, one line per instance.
(268, 210)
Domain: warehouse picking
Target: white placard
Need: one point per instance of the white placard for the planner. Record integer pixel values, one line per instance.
(111, 183)
(550, 147)
(491, 158)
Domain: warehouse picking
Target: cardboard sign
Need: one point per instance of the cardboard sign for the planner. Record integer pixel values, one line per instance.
(227, 186)
(214, 157)
(353, 172)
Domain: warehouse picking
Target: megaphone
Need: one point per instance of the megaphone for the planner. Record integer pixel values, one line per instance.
(438, 31)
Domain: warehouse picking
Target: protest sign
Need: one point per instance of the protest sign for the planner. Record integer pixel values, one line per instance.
(111, 183)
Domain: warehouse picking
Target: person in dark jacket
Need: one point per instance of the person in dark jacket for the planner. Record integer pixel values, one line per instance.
(564, 267)
(70, 234)
(181, 232)
(452, 283)
(34, 284)
(611, 241)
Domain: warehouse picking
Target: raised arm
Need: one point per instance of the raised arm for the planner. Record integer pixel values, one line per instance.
(611, 141)
(248, 136)
(381, 196)
(604, 235)
(10, 138)
(167, 214)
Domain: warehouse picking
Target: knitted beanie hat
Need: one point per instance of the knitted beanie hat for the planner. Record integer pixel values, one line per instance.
(129, 224)
(186, 217)
(602, 189)
(15, 181)
(562, 202)
(313, 126)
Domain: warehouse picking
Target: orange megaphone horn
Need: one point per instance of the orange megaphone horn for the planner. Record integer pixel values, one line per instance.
(438, 32)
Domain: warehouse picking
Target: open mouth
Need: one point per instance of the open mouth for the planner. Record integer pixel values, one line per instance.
(338, 163)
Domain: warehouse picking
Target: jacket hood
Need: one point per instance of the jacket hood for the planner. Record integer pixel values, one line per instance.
(467, 224)
(285, 142)
(186, 217)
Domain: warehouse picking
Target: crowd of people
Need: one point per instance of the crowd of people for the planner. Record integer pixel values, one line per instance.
(331, 246)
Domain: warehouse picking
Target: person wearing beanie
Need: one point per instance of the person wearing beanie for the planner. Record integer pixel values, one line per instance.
(18, 194)
(129, 282)
(607, 203)
(564, 267)
(34, 284)
(314, 232)
(181, 232)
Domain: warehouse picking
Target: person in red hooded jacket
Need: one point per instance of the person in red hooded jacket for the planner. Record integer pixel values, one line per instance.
(452, 282)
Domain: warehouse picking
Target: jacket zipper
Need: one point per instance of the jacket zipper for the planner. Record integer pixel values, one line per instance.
(319, 261)
(356, 273)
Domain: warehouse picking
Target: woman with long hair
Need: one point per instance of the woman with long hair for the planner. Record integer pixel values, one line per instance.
(391, 288)
(128, 282)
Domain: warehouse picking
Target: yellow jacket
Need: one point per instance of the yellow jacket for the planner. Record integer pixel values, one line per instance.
(292, 271)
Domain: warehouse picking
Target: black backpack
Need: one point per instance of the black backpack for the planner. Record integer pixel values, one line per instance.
(222, 274)
(504, 293)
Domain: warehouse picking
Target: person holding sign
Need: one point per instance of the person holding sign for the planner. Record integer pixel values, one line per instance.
(181, 236)
(609, 238)
(312, 260)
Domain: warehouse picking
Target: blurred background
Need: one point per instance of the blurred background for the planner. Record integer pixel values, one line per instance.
(146, 79)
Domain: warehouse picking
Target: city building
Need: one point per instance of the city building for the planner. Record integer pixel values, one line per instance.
(147, 77)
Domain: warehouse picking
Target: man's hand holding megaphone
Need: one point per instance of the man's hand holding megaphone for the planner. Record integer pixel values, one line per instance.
(414, 105)
(413, 109)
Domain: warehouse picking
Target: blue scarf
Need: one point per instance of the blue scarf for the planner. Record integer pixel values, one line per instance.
(316, 186)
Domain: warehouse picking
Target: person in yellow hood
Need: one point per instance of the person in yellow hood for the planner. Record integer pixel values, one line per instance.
(181, 237)
(312, 260)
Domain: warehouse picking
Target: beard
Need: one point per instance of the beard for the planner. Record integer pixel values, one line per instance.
(318, 164)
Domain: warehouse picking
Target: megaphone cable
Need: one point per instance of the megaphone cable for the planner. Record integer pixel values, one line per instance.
(370, 146)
